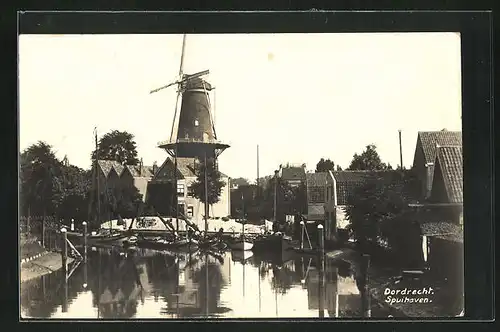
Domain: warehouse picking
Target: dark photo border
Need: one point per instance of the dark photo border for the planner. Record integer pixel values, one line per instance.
(475, 28)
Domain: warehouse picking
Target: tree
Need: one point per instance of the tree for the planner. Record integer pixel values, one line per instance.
(290, 199)
(214, 183)
(368, 160)
(379, 215)
(73, 199)
(325, 165)
(119, 146)
(40, 179)
(240, 182)
(339, 168)
(124, 201)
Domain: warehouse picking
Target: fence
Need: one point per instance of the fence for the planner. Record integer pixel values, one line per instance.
(44, 229)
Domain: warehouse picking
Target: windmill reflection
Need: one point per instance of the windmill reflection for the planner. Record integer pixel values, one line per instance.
(196, 293)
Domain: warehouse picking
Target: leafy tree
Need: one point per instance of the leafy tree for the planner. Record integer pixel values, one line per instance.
(290, 199)
(368, 160)
(73, 200)
(123, 201)
(240, 182)
(339, 168)
(119, 146)
(40, 179)
(214, 183)
(325, 165)
(379, 215)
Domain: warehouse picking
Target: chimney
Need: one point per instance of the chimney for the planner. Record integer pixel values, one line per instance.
(155, 168)
(400, 151)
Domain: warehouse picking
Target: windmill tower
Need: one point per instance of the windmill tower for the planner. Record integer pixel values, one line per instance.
(193, 132)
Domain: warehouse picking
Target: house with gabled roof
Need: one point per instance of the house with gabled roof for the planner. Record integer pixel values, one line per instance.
(293, 175)
(112, 174)
(320, 198)
(441, 216)
(425, 155)
(161, 195)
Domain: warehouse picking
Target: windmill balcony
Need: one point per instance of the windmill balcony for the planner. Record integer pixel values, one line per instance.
(188, 140)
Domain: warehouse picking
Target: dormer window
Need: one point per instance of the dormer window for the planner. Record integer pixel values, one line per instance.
(196, 123)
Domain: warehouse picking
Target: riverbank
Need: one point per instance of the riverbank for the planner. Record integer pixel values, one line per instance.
(47, 263)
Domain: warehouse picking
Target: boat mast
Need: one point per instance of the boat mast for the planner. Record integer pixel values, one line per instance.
(98, 192)
(206, 194)
(242, 217)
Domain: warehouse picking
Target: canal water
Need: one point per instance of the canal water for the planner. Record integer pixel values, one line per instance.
(152, 284)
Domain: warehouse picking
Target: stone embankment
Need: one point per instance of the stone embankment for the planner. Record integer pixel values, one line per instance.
(44, 264)
(36, 261)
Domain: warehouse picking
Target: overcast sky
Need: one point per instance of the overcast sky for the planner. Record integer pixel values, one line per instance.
(299, 96)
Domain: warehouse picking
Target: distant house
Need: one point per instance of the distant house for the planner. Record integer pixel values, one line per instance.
(425, 155)
(294, 175)
(320, 200)
(160, 189)
(112, 174)
(249, 192)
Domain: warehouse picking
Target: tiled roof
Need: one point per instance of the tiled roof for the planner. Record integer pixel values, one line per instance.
(293, 173)
(186, 166)
(146, 171)
(317, 179)
(444, 230)
(450, 161)
(349, 181)
(429, 139)
(107, 165)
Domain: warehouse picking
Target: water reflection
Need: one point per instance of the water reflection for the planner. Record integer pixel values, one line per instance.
(152, 284)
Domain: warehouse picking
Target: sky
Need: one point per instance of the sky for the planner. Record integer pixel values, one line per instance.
(300, 97)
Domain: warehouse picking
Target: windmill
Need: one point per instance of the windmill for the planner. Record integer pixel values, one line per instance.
(193, 132)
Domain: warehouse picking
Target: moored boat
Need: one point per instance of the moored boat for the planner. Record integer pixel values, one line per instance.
(243, 245)
(241, 255)
(275, 242)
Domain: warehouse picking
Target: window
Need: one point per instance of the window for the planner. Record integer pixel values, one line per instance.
(180, 189)
(190, 192)
(190, 211)
(180, 208)
(196, 123)
(316, 195)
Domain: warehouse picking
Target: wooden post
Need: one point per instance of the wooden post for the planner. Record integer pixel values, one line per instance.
(321, 288)
(85, 275)
(365, 294)
(64, 252)
(85, 241)
(65, 269)
(302, 226)
(43, 230)
(321, 244)
(321, 240)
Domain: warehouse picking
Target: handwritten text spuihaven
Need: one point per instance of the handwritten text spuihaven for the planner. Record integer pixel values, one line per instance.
(408, 295)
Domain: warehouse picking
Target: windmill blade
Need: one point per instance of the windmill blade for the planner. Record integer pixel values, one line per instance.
(181, 66)
(175, 116)
(163, 87)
